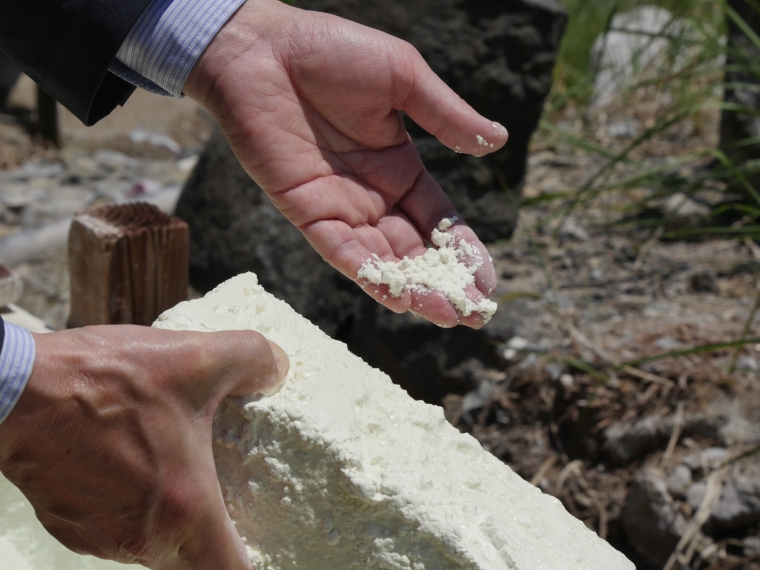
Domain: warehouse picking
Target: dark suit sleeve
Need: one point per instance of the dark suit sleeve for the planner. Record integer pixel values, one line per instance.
(67, 46)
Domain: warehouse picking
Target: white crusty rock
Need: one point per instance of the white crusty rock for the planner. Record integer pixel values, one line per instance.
(342, 470)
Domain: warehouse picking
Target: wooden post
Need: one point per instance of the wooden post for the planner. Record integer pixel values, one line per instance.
(128, 264)
(47, 118)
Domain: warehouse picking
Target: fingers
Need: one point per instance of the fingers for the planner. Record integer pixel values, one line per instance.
(221, 364)
(435, 307)
(426, 205)
(436, 108)
(346, 249)
(247, 363)
(485, 276)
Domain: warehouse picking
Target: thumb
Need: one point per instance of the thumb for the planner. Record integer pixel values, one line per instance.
(249, 364)
(237, 363)
(435, 107)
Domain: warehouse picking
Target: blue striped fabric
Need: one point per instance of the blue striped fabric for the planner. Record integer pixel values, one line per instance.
(16, 362)
(167, 40)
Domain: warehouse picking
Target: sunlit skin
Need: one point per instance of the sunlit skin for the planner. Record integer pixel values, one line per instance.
(311, 106)
(111, 440)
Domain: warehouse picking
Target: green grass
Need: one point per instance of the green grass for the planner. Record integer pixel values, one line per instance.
(589, 19)
(694, 89)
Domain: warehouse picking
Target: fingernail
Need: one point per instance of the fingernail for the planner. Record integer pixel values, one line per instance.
(281, 359)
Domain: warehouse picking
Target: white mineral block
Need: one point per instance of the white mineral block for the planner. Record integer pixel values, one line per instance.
(342, 470)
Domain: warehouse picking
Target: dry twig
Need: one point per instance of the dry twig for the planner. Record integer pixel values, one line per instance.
(687, 544)
(543, 470)
(584, 340)
(677, 429)
(753, 247)
(734, 565)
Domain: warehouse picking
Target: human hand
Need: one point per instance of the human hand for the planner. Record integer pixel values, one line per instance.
(111, 441)
(311, 106)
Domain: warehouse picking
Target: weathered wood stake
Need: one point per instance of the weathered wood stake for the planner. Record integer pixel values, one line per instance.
(47, 118)
(128, 264)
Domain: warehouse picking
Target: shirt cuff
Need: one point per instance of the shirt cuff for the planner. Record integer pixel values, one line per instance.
(16, 363)
(166, 42)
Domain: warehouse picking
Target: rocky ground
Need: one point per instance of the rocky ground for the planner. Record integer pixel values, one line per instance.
(658, 456)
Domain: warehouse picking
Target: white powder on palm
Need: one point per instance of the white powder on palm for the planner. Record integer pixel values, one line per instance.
(450, 268)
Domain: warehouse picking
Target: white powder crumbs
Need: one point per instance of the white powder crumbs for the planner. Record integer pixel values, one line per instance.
(481, 140)
(466, 248)
(446, 223)
(442, 269)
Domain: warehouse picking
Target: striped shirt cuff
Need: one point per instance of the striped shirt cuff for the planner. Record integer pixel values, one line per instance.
(166, 42)
(16, 362)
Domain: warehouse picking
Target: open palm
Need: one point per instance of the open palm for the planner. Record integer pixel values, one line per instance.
(311, 106)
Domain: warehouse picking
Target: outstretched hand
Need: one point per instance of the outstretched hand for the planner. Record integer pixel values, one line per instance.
(111, 441)
(311, 105)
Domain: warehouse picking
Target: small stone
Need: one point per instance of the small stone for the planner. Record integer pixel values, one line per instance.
(747, 363)
(509, 353)
(572, 230)
(518, 343)
(333, 538)
(623, 129)
(567, 380)
(558, 299)
(626, 441)
(114, 160)
(739, 505)
(529, 362)
(40, 169)
(708, 459)
(751, 546)
(11, 286)
(477, 399)
(667, 343)
(554, 370)
(682, 206)
(140, 136)
(651, 520)
(738, 430)
(705, 281)
(696, 494)
(680, 481)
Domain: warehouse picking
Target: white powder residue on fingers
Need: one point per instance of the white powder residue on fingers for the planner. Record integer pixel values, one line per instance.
(450, 268)
(483, 142)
